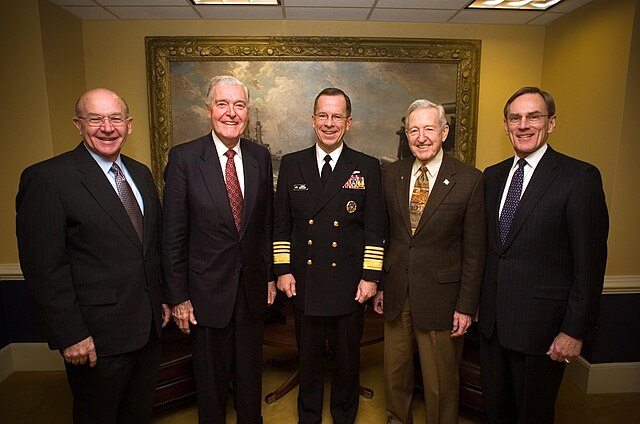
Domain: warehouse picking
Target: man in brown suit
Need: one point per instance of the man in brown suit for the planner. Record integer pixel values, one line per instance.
(433, 265)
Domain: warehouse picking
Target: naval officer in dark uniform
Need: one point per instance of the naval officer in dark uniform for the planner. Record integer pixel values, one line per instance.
(328, 248)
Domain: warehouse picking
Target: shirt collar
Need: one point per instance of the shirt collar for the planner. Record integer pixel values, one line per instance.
(104, 164)
(533, 159)
(433, 166)
(335, 155)
(221, 148)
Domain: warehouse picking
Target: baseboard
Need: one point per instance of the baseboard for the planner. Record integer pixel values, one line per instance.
(28, 357)
(615, 377)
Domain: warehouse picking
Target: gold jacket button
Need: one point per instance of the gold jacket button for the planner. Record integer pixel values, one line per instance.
(336, 223)
(333, 265)
(334, 244)
(310, 242)
(309, 262)
(311, 222)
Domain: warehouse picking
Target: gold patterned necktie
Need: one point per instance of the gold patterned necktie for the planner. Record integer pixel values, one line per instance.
(419, 198)
(128, 199)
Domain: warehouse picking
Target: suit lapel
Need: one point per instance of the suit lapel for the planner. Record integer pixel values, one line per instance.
(211, 172)
(494, 198)
(251, 176)
(101, 189)
(148, 194)
(402, 184)
(309, 171)
(341, 172)
(541, 179)
(441, 188)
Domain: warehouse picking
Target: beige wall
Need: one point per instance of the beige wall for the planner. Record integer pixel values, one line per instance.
(588, 66)
(512, 56)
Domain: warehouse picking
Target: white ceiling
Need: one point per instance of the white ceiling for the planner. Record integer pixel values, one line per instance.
(432, 11)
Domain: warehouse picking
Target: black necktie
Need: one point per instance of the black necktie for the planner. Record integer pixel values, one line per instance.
(128, 199)
(512, 200)
(326, 171)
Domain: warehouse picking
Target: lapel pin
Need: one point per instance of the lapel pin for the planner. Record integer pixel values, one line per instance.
(446, 182)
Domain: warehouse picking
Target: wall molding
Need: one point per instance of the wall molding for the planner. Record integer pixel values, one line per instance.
(613, 377)
(29, 357)
(11, 272)
(616, 284)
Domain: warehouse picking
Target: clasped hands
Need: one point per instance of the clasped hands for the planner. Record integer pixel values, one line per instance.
(365, 291)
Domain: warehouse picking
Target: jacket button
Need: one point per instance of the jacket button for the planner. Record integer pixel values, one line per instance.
(502, 257)
(333, 265)
(336, 223)
(311, 222)
(334, 244)
(309, 262)
(310, 242)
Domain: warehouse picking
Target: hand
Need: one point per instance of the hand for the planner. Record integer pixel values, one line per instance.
(564, 348)
(461, 323)
(366, 290)
(287, 284)
(166, 314)
(79, 353)
(378, 304)
(183, 315)
(271, 292)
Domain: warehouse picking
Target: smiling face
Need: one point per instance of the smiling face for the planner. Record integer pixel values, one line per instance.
(425, 133)
(331, 121)
(527, 137)
(107, 139)
(228, 111)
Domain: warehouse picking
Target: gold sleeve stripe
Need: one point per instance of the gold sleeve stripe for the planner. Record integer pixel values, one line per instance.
(372, 264)
(373, 256)
(281, 252)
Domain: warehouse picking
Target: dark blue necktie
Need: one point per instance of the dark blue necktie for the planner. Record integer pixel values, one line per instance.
(512, 200)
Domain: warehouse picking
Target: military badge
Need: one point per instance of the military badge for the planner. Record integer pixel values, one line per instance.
(300, 187)
(351, 206)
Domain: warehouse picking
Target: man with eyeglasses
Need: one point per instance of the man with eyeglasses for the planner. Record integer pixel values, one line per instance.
(328, 247)
(88, 228)
(547, 227)
(433, 267)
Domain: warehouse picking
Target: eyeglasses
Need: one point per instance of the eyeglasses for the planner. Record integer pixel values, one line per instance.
(336, 118)
(532, 118)
(98, 120)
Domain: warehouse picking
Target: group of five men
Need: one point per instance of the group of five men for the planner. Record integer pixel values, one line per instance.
(432, 241)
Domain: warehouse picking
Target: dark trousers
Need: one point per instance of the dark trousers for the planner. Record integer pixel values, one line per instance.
(341, 335)
(518, 388)
(219, 354)
(118, 389)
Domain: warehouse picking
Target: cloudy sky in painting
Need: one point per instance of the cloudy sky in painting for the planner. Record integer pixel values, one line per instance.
(282, 95)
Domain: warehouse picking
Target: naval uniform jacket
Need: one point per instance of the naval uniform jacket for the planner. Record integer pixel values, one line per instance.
(330, 238)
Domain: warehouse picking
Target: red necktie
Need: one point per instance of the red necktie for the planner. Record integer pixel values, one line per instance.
(233, 188)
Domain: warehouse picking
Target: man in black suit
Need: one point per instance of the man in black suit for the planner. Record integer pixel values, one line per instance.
(547, 227)
(328, 249)
(217, 228)
(88, 227)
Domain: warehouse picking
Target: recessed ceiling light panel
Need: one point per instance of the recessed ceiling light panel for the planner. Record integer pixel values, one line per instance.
(236, 2)
(513, 5)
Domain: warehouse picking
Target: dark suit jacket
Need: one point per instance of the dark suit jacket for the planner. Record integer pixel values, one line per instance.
(204, 257)
(330, 230)
(548, 276)
(441, 265)
(80, 255)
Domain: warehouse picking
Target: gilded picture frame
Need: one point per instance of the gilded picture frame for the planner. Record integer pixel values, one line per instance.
(382, 76)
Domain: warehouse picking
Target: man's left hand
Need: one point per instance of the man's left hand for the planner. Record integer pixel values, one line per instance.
(366, 290)
(166, 314)
(271, 292)
(461, 323)
(564, 348)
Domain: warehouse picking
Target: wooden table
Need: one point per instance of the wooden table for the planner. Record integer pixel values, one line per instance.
(282, 335)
